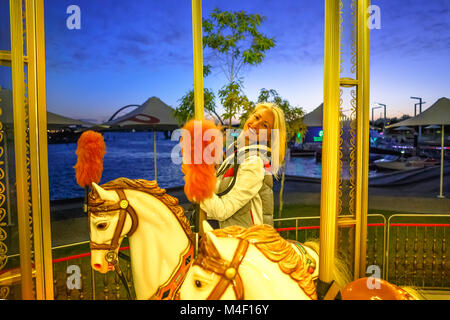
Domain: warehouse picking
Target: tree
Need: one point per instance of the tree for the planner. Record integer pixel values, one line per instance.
(294, 124)
(233, 99)
(235, 41)
(293, 115)
(396, 120)
(186, 109)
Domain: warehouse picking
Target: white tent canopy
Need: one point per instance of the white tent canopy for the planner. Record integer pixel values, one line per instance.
(438, 113)
(56, 121)
(403, 128)
(151, 114)
(314, 118)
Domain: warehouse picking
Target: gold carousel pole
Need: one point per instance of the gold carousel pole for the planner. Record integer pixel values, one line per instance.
(198, 95)
(198, 58)
(330, 151)
(20, 138)
(363, 137)
(38, 148)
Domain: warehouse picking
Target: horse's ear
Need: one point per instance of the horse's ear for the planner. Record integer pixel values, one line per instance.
(206, 226)
(214, 240)
(223, 245)
(103, 194)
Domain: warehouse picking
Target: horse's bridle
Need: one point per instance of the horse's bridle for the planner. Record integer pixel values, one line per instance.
(228, 271)
(124, 207)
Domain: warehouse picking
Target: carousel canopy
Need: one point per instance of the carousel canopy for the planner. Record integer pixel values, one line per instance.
(54, 121)
(403, 128)
(437, 114)
(314, 118)
(151, 114)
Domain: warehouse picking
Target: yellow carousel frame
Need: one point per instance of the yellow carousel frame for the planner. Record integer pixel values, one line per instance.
(30, 136)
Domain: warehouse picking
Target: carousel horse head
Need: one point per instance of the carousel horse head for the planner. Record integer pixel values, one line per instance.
(159, 234)
(247, 263)
(111, 218)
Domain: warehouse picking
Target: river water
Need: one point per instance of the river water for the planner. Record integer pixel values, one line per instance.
(130, 155)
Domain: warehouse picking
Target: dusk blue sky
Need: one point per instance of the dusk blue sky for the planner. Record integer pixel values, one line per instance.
(128, 51)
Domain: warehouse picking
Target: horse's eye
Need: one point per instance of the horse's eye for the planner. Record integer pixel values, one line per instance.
(102, 226)
(198, 283)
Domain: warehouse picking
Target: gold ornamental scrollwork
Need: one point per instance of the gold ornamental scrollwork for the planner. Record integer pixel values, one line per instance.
(353, 147)
(354, 21)
(4, 291)
(28, 158)
(340, 154)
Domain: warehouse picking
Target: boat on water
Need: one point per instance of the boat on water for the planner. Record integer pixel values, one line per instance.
(393, 162)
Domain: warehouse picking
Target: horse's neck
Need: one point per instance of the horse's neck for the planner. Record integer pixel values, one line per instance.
(156, 246)
(263, 279)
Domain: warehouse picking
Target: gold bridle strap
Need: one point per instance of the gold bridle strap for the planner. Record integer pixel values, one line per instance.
(124, 207)
(228, 271)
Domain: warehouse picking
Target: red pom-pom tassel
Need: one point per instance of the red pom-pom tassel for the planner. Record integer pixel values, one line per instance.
(90, 151)
(200, 173)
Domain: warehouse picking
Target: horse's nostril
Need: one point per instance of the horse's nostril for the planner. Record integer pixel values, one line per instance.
(97, 266)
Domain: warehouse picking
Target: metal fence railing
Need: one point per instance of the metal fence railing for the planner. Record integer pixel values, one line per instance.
(411, 250)
(307, 228)
(417, 250)
(73, 277)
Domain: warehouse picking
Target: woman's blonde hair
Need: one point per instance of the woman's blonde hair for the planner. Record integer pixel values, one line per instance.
(278, 145)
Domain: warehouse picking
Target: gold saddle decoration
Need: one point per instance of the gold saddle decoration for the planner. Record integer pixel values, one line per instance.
(267, 240)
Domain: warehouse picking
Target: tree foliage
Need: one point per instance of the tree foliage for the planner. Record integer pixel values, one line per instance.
(186, 110)
(235, 41)
(293, 115)
(233, 99)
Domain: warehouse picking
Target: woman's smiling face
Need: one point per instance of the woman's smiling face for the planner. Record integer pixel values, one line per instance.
(262, 119)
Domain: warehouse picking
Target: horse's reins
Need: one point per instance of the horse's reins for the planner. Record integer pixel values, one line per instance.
(111, 256)
(229, 271)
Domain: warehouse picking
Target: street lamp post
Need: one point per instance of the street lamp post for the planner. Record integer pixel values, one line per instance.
(420, 103)
(373, 123)
(384, 106)
(420, 109)
(442, 164)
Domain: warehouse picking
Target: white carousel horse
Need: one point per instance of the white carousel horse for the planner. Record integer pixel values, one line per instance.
(160, 237)
(252, 263)
(258, 264)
